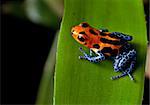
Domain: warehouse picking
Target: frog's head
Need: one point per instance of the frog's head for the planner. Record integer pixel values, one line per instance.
(79, 33)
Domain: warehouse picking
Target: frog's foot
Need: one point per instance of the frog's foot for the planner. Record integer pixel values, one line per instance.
(125, 62)
(127, 72)
(98, 58)
(121, 35)
(122, 75)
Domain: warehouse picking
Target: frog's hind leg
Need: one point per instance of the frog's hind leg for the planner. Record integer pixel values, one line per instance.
(127, 72)
(125, 63)
(90, 58)
(121, 35)
(119, 76)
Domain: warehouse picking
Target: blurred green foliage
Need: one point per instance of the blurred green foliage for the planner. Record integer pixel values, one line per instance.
(45, 12)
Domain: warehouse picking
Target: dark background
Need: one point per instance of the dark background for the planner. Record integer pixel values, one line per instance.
(25, 47)
(24, 52)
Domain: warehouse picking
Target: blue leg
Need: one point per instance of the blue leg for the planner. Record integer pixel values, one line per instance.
(122, 36)
(127, 72)
(119, 76)
(125, 48)
(98, 58)
(121, 64)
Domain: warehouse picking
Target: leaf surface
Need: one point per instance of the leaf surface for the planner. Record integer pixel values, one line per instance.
(81, 82)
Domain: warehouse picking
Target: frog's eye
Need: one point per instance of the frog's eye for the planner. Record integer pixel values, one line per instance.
(72, 32)
(84, 24)
(80, 38)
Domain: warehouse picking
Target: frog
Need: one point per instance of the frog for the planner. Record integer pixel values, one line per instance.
(103, 45)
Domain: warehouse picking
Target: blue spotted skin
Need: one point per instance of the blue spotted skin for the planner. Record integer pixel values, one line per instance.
(105, 45)
(98, 58)
(123, 62)
(122, 36)
(118, 34)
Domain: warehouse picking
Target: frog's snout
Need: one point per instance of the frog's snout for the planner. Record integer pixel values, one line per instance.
(72, 32)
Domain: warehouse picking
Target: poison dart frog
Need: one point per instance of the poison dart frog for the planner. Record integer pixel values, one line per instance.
(106, 45)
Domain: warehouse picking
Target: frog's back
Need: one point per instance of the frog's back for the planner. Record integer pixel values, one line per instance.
(106, 43)
(96, 40)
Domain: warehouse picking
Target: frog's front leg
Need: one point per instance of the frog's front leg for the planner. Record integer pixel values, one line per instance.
(125, 63)
(90, 58)
(91, 52)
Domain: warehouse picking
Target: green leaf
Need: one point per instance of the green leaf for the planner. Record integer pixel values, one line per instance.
(37, 11)
(56, 6)
(81, 82)
(45, 92)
